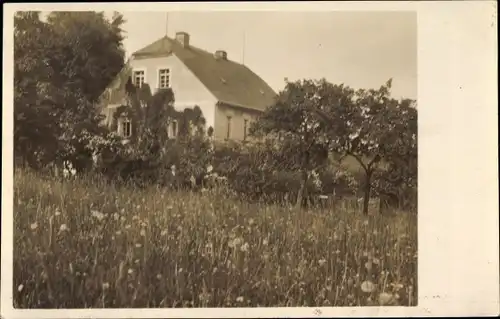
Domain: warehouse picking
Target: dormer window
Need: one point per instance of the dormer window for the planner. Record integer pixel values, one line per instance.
(139, 78)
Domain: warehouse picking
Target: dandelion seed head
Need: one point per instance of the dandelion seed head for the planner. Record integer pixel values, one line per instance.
(385, 298)
(367, 286)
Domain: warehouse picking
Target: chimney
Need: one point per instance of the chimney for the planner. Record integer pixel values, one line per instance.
(182, 38)
(220, 55)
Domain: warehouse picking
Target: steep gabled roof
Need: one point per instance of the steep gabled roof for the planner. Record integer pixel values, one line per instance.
(116, 93)
(230, 82)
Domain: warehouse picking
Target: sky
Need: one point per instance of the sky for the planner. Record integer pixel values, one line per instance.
(359, 49)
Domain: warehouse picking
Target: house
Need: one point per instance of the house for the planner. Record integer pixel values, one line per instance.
(229, 94)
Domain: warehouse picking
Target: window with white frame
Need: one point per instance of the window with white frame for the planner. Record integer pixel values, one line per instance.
(126, 128)
(163, 78)
(139, 78)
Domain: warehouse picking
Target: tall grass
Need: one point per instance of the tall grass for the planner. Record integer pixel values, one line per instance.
(87, 243)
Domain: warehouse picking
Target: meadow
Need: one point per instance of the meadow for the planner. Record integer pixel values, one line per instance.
(89, 243)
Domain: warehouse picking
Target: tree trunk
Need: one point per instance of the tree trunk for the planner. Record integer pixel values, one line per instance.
(368, 187)
(303, 189)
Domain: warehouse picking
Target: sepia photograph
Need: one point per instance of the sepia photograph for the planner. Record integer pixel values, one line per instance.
(215, 159)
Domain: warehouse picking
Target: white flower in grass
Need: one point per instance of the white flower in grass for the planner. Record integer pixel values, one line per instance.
(143, 232)
(244, 247)
(20, 287)
(63, 228)
(58, 212)
(105, 286)
(130, 271)
(240, 299)
(34, 226)
(367, 286)
(100, 216)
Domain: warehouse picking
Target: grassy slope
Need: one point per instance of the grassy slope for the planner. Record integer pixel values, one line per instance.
(121, 247)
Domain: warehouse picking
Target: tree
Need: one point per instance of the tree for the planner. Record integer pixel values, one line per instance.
(381, 132)
(302, 119)
(61, 67)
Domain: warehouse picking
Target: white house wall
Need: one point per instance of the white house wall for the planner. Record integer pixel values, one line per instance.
(188, 90)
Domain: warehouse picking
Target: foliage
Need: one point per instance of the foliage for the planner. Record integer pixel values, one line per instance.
(151, 153)
(297, 120)
(61, 67)
(88, 243)
(317, 118)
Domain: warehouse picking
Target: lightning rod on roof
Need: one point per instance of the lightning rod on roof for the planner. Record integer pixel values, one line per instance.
(166, 26)
(243, 53)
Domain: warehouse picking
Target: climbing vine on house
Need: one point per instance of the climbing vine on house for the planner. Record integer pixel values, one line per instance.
(151, 151)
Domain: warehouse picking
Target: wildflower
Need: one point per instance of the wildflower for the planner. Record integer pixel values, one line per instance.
(20, 287)
(135, 217)
(321, 262)
(397, 286)
(251, 221)
(130, 271)
(100, 216)
(116, 216)
(63, 228)
(235, 242)
(138, 245)
(210, 169)
(365, 222)
(136, 261)
(34, 226)
(169, 207)
(163, 232)
(244, 247)
(159, 276)
(127, 226)
(376, 261)
(105, 286)
(367, 286)
(240, 299)
(58, 212)
(265, 242)
(143, 232)
(118, 232)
